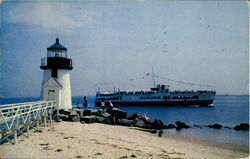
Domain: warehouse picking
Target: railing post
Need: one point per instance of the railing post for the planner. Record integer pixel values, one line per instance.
(15, 127)
(50, 113)
(45, 115)
(38, 117)
(28, 124)
(15, 136)
(37, 123)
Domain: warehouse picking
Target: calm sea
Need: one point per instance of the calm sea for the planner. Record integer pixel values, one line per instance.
(227, 110)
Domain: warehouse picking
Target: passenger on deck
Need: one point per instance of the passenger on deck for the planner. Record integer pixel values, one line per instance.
(110, 105)
(103, 106)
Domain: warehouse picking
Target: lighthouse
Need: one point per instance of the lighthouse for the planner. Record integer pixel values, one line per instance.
(56, 77)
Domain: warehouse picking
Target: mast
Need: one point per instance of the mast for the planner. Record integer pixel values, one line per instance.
(153, 76)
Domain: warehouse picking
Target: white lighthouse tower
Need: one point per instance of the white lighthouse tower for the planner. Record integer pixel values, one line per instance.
(56, 77)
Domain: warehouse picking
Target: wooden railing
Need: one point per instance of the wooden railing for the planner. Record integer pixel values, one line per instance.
(15, 119)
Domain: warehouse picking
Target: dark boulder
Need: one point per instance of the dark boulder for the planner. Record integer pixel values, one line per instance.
(64, 111)
(215, 126)
(169, 126)
(131, 116)
(86, 112)
(126, 122)
(64, 117)
(88, 119)
(117, 113)
(144, 118)
(94, 112)
(100, 119)
(100, 112)
(105, 114)
(79, 111)
(141, 124)
(73, 113)
(242, 126)
(67, 114)
(108, 118)
(181, 125)
(157, 124)
(160, 133)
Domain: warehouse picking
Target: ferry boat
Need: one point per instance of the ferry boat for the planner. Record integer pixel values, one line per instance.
(157, 96)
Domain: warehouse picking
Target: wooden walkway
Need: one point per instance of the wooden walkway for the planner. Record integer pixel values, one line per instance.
(17, 119)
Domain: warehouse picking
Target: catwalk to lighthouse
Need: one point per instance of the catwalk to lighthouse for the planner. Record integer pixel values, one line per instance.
(56, 77)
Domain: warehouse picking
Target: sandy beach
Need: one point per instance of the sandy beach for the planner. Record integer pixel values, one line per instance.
(76, 140)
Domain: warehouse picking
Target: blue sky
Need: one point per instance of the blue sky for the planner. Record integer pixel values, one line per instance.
(114, 41)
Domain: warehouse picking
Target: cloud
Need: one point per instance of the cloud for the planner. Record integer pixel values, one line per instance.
(54, 16)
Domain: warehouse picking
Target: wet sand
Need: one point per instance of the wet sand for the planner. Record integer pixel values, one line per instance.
(76, 140)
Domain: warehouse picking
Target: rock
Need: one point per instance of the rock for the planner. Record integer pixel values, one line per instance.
(160, 133)
(87, 112)
(95, 112)
(72, 115)
(181, 125)
(100, 119)
(67, 115)
(169, 126)
(79, 111)
(126, 122)
(157, 124)
(227, 127)
(131, 116)
(242, 126)
(108, 118)
(141, 124)
(144, 118)
(105, 114)
(88, 119)
(117, 113)
(64, 111)
(64, 117)
(215, 126)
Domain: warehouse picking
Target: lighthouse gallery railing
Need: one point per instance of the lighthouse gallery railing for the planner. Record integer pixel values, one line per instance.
(19, 117)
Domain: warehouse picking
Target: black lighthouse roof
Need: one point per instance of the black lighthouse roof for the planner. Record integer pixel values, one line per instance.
(57, 45)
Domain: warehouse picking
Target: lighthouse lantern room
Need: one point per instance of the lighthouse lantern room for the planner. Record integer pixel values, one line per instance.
(56, 77)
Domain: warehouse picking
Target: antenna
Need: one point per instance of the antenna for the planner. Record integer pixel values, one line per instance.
(153, 76)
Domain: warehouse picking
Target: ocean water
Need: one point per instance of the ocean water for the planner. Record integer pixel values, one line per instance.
(227, 111)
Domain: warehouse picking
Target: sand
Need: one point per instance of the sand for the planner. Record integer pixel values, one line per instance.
(76, 140)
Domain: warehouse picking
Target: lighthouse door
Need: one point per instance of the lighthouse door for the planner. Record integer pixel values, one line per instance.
(51, 94)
